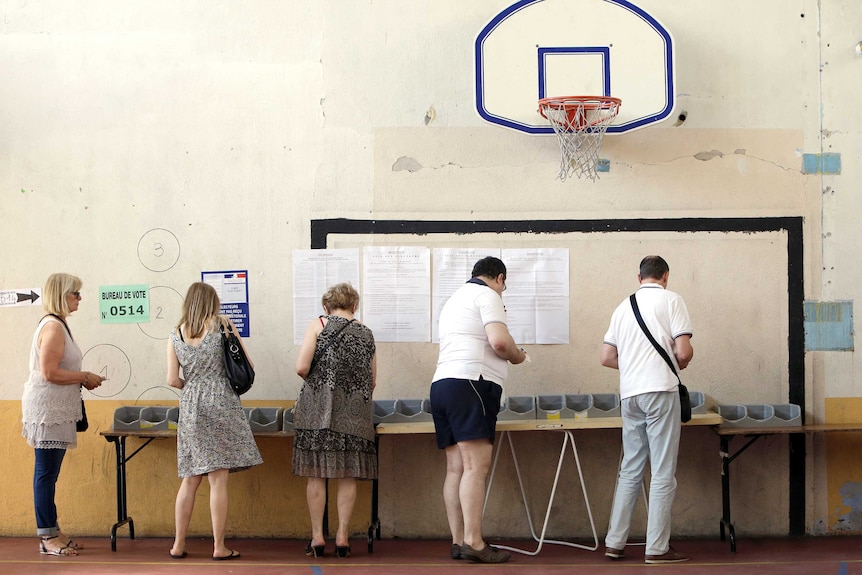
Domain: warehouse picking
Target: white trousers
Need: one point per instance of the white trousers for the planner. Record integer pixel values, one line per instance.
(651, 426)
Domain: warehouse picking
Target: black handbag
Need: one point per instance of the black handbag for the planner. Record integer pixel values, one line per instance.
(82, 424)
(240, 373)
(684, 399)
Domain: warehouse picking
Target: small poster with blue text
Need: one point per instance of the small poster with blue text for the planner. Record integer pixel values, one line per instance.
(124, 304)
(232, 289)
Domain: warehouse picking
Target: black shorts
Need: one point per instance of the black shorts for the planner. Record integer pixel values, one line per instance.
(464, 410)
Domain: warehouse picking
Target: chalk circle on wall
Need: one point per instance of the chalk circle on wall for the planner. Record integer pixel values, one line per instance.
(158, 250)
(166, 308)
(113, 364)
(159, 392)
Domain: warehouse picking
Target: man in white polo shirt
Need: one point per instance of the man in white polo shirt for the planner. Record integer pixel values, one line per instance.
(650, 408)
(475, 350)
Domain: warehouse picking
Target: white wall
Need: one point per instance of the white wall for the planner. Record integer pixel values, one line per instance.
(234, 124)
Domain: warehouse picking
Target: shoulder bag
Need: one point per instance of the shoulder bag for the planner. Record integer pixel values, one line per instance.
(240, 373)
(684, 400)
(325, 347)
(82, 424)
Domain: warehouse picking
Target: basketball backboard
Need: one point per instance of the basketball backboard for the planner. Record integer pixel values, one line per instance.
(539, 48)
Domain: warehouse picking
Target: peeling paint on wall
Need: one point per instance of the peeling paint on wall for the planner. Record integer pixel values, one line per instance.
(851, 496)
(707, 156)
(406, 163)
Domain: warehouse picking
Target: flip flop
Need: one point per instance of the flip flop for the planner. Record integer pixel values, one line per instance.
(233, 555)
(180, 556)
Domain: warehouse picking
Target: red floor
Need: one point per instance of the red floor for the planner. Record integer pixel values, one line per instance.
(806, 556)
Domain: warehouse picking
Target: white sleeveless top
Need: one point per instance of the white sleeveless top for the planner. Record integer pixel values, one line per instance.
(50, 410)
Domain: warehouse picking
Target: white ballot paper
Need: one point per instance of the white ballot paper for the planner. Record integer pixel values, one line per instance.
(537, 294)
(396, 298)
(314, 271)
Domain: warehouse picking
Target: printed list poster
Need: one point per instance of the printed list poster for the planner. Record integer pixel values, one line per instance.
(396, 298)
(537, 294)
(452, 268)
(315, 271)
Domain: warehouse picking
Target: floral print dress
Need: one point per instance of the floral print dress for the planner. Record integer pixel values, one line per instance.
(213, 430)
(333, 415)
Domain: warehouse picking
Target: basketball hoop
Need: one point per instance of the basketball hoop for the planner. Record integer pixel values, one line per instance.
(580, 123)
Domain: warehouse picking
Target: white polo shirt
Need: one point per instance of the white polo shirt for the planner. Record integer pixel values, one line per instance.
(465, 352)
(642, 369)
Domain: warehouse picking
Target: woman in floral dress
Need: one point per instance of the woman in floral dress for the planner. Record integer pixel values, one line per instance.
(214, 437)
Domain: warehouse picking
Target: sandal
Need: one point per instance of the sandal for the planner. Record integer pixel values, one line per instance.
(64, 551)
(71, 543)
(314, 550)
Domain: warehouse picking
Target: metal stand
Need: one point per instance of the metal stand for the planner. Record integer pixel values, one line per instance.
(568, 438)
(122, 506)
(374, 527)
(726, 459)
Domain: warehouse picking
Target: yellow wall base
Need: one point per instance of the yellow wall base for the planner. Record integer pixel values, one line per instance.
(844, 467)
(265, 501)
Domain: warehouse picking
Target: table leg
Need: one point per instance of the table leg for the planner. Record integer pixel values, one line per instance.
(122, 508)
(726, 460)
(374, 526)
(568, 438)
(726, 523)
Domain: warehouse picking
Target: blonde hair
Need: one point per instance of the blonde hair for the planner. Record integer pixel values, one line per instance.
(199, 308)
(57, 287)
(340, 296)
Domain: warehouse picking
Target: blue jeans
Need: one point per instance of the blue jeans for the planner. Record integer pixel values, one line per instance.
(651, 426)
(48, 462)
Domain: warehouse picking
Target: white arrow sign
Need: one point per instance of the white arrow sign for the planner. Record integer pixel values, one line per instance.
(18, 297)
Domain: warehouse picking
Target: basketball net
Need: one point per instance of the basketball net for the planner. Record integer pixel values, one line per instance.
(580, 123)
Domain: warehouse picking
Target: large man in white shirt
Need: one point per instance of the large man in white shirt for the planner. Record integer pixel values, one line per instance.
(650, 407)
(475, 350)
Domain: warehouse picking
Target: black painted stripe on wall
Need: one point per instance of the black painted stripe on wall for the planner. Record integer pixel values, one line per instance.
(321, 229)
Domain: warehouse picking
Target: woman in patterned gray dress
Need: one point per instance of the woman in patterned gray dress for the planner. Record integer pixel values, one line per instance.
(213, 437)
(333, 415)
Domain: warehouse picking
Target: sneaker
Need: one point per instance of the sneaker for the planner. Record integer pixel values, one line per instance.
(455, 553)
(612, 553)
(670, 557)
(487, 554)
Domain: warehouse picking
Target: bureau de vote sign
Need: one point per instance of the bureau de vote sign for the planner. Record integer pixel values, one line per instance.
(124, 304)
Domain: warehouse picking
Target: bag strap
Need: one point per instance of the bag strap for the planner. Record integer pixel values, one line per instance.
(61, 320)
(224, 323)
(329, 343)
(661, 351)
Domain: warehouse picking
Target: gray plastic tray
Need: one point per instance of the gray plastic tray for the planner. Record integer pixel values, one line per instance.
(127, 417)
(517, 407)
(760, 415)
(553, 407)
(411, 410)
(287, 419)
(265, 418)
(384, 410)
(578, 404)
(159, 418)
(698, 401)
(605, 405)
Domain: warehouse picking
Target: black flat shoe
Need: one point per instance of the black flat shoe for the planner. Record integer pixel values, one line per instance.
(314, 550)
(342, 551)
